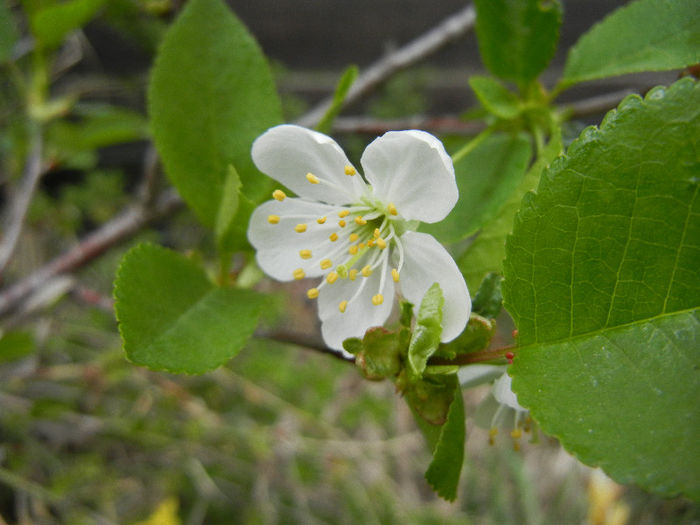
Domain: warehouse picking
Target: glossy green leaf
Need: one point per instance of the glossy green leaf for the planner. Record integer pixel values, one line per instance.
(15, 345)
(211, 94)
(517, 38)
(426, 335)
(486, 253)
(495, 97)
(486, 177)
(603, 281)
(172, 318)
(645, 35)
(341, 91)
(51, 24)
(448, 455)
(488, 300)
(8, 32)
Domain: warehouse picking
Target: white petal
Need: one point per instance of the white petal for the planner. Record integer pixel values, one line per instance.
(360, 313)
(504, 394)
(474, 375)
(426, 262)
(287, 153)
(278, 245)
(412, 170)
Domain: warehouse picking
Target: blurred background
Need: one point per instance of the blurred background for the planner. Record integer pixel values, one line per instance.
(281, 434)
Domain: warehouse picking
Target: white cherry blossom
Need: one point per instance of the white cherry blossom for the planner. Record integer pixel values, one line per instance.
(358, 236)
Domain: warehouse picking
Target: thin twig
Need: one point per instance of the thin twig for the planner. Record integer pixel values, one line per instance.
(119, 228)
(447, 125)
(18, 212)
(451, 29)
(304, 341)
(493, 354)
(597, 104)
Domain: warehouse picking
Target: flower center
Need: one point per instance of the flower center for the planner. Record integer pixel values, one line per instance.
(365, 240)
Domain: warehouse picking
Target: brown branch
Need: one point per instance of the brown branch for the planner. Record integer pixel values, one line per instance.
(119, 228)
(447, 125)
(482, 356)
(449, 30)
(596, 104)
(304, 341)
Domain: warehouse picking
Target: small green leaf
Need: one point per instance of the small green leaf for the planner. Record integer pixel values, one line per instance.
(172, 318)
(603, 281)
(486, 177)
(228, 207)
(341, 91)
(645, 35)
(476, 336)
(448, 455)
(211, 94)
(488, 300)
(426, 336)
(15, 345)
(517, 38)
(429, 398)
(51, 24)
(486, 253)
(8, 32)
(495, 97)
(378, 354)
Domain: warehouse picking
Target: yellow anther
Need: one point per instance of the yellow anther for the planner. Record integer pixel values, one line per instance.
(381, 243)
(367, 271)
(349, 170)
(299, 274)
(333, 237)
(325, 264)
(352, 274)
(321, 220)
(312, 293)
(371, 243)
(300, 228)
(313, 179)
(359, 220)
(353, 249)
(354, 237)
(377, 233)
(332, 277)
(395, 275)
(377, 299)
(361, 245)
(342, 306)
(279, 195)
(273, 219)
(343, 213)
(342, 271)
(516, 433)
(305, 254)
(341, 223)
(392, 209)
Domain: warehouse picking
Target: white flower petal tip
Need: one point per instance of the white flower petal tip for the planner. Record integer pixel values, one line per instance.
(358, 237)
(504, 394)
(412, 169)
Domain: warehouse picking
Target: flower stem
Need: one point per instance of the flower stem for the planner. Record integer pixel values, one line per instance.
(471, 358)
(471, 145)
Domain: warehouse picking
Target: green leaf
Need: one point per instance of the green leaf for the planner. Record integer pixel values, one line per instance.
(378, 354)
(646, 35)
(448, 455)
(341, 91)
(488, 300)
(15, 345)
(486, 177)
(51, 24)
(603, 281)
(172, 318)
(495, 97)
(225, 219)
(486, 253)
(426, 335)
(206, 120)
(8, 32)
(517, 38)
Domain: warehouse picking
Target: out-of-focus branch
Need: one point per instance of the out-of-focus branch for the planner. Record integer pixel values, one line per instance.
(449, 30)
(304, 341)
(129, 222)
(447, 125)
(20, 202)
(597, 104)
